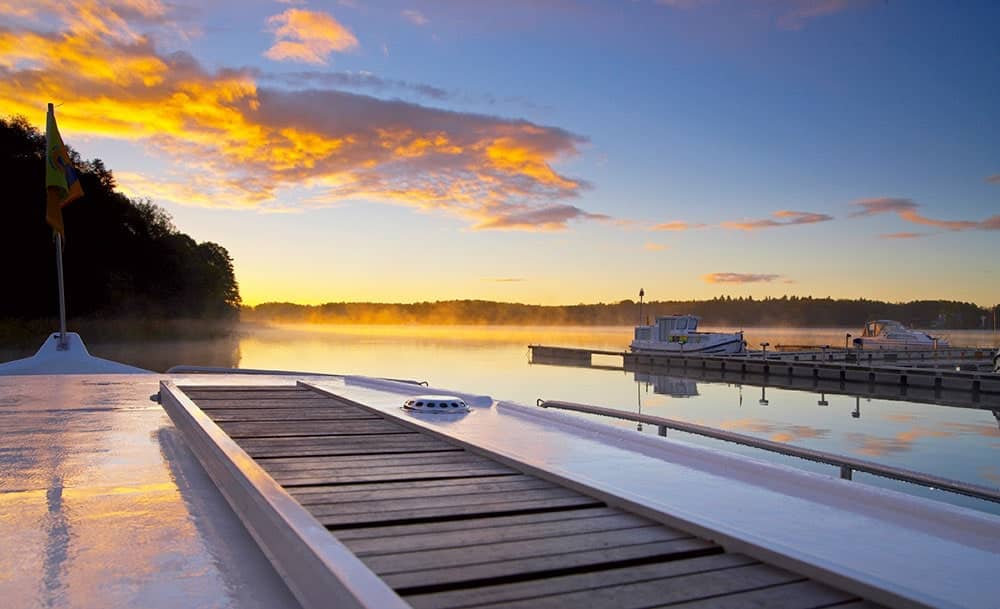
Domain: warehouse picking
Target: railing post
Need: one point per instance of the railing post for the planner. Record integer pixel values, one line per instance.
(662, 430)
(846, 472)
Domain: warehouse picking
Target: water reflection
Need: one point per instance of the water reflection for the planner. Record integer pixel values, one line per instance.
(675, 386)
(57, 538)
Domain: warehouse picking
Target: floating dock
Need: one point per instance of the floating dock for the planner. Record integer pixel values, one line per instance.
(910, 369)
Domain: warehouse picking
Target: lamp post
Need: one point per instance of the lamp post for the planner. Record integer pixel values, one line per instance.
(765, 346)
(847, 341)
(641, 294)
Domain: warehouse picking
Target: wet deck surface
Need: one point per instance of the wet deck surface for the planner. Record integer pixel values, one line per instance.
(445, 527)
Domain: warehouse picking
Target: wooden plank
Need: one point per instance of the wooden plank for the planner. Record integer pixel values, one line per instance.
(419, 581)
(478, 537)
(282, 429)
(293, 464)
(256, 395)
(661, 592)
(443, 504)
(425, 489)
(402, 562)
(501, 507)
(344, 445)
(387, 474)
(417, 488)
(315, 413)
(471, 524)
(454, 599)
(276, 404)
(188, 389)
(797, 595)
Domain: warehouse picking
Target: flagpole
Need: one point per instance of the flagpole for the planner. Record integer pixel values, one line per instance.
(62, 292)
(58, 235)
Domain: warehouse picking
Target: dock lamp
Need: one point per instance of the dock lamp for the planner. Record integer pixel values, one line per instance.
(642, 293)
(847, 341)
(765, 346)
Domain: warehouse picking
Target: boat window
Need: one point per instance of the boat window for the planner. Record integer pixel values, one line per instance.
(682, 324)
(693, 324)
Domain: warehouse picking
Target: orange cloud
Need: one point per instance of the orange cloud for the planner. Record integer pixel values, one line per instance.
(676, 225)
(784, 218)
(654, 247)
(739, 277)
(902, 235)
(907, 210)
(235, 144)
(308, 36)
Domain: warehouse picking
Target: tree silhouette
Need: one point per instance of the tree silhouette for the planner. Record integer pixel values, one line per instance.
(123, 258)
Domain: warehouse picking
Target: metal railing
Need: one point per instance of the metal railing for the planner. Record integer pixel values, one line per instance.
(847, 465)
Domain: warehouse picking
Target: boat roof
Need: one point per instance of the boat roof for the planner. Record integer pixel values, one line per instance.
(679, 316)
(89, 460)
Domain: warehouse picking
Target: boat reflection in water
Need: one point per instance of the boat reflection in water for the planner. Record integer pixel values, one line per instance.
(674, 386)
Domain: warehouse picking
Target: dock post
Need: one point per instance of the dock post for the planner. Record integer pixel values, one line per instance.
(846, 472)
(662, 430)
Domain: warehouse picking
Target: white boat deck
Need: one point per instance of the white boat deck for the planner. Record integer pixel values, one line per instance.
(102, 504)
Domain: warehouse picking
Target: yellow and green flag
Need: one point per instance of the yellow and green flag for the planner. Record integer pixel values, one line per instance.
(61, 182)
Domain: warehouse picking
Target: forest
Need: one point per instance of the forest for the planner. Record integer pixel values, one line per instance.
(721, 311)
(123, 258)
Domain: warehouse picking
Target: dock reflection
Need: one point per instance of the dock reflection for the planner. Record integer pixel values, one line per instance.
(682, 382)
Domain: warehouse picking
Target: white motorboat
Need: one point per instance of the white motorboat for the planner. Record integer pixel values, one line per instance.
(889, 334)
(678, 334)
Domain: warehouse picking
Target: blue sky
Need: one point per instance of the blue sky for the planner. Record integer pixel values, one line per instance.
(547, 152)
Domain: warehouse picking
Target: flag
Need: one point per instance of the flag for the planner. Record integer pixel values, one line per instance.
(61, 182)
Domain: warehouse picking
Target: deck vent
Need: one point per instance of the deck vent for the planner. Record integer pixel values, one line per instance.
(436, 404)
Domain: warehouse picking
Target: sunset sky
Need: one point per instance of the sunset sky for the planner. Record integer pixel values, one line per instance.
(546, 151)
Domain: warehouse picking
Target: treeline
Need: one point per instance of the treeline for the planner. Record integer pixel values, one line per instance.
(722, 311)
(123, 258)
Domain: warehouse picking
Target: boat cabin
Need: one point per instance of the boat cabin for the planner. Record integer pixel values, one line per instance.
(669, 328)
(877, 328)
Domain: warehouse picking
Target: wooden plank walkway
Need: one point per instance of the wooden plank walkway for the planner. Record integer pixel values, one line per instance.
(447, 528)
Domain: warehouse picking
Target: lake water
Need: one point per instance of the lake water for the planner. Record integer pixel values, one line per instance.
(961, 443)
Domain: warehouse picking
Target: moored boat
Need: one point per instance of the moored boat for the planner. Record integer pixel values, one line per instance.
(890, 334)
(678, 334)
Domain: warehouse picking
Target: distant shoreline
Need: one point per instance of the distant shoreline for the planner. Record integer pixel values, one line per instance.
(718, 312)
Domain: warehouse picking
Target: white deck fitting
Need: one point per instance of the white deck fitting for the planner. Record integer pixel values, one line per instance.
(916, 551)
(73, 359)
(102, 504)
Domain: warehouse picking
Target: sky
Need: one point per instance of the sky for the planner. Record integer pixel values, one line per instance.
(545, 151)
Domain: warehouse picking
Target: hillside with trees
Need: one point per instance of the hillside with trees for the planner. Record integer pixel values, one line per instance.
(722, 311)
(123, 258)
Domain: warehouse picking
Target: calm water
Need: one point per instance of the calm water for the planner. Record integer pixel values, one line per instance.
(954, 442)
